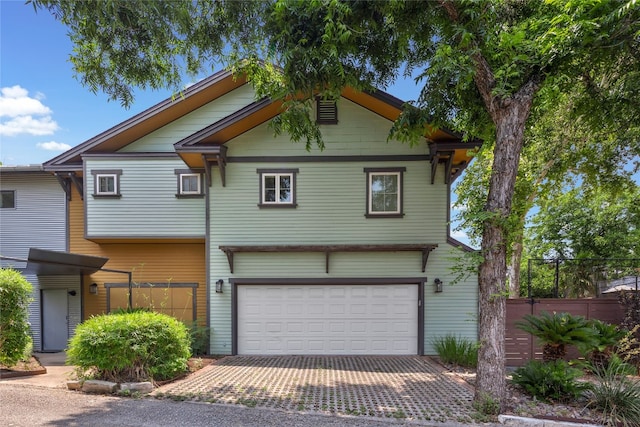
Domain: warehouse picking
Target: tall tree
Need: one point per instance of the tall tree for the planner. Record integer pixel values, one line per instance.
(566, 146)
(591, 231)
(588, 223)
(482, 63)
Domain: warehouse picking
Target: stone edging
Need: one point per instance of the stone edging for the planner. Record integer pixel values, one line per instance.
(108, 387)
(514, 421)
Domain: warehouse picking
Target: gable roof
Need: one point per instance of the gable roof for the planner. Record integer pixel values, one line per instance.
(194, 148)
(153, 118)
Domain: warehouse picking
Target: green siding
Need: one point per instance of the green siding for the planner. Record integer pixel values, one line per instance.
(331, 199)
(358, 133)
(162, 140)
(148, 206)
(455, 310)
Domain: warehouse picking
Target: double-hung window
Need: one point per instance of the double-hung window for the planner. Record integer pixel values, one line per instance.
(106, 183)
(384, 192)
(277, 187)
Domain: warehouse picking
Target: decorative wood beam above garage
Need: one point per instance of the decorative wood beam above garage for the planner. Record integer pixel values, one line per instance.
(426, 249)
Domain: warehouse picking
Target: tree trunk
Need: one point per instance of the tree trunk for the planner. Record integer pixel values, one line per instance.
(513, 269)
(510, 116)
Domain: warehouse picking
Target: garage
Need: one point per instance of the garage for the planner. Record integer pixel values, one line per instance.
(327, 319)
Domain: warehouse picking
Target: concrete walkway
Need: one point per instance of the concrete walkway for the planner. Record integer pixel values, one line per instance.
(405, 387)
(57, 372)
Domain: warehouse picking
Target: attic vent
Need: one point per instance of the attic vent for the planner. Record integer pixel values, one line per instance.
(327, 112)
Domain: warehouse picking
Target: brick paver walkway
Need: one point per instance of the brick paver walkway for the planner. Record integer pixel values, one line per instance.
(405, 387)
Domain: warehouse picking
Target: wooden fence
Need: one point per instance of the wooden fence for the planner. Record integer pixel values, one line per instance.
(520, 347)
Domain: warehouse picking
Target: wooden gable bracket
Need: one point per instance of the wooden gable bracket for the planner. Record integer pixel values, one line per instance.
(65, 183)
(78, 183)
(329, 249)
(219, 159)
(439, 157)
(207, 170)
(459, 168)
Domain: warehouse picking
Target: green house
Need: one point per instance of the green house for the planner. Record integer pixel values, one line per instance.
(344, 250)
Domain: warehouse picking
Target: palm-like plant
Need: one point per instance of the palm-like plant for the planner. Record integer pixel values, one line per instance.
(556, 331)
(606, 337)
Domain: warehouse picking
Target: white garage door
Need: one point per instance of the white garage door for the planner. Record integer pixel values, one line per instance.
(328, 319)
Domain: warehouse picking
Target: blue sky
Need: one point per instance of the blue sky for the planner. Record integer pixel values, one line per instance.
(44, 110)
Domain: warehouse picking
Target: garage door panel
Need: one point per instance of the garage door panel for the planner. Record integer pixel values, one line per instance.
(294, 309)
(402, 327)
(295, 346)
(315, 293)
(316, 319)
(337, 309)
(294, 293)
(337, 292)
(315, 310)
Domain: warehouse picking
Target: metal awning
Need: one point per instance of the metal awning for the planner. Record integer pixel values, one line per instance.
(43, 262)
(53, 263)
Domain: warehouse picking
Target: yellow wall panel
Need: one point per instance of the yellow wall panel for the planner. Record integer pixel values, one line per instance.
(149, 262)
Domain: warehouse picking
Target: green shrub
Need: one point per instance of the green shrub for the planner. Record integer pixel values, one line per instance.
(617, 396)
(199, 338)
(456, 350)
(556, 331)
(124, 310)
(130, 347)
(15, 296)
(629, 348)
(550, 381)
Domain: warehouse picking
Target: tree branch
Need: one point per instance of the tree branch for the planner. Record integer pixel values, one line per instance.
(483, 77)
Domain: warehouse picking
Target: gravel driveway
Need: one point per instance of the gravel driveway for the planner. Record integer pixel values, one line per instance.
(404, 387)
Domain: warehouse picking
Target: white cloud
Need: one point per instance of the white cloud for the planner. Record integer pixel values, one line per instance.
(28, 124)
(53, 146)
(24, 114)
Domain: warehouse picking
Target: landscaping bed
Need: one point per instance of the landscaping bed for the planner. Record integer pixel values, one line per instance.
(23, 368)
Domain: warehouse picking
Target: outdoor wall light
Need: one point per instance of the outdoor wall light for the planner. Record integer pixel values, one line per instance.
(219, 284)
(93, 288)
(72, 293)
(438, 284)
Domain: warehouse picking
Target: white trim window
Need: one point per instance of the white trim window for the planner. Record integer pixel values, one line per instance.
(384, 192)
(190, 184)
(278, 188)
(106, 183)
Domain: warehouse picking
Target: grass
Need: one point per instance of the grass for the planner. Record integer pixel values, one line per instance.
(458, 351)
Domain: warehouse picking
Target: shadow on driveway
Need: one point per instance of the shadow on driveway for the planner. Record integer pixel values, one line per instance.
(402, 387)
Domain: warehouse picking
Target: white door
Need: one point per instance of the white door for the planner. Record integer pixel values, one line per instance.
(55, 319)
(327, 319)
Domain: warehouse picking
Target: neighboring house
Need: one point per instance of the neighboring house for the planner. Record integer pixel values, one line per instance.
(280, 250)
(33, 214)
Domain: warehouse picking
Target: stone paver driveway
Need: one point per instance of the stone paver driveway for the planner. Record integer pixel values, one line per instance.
(405, 387)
